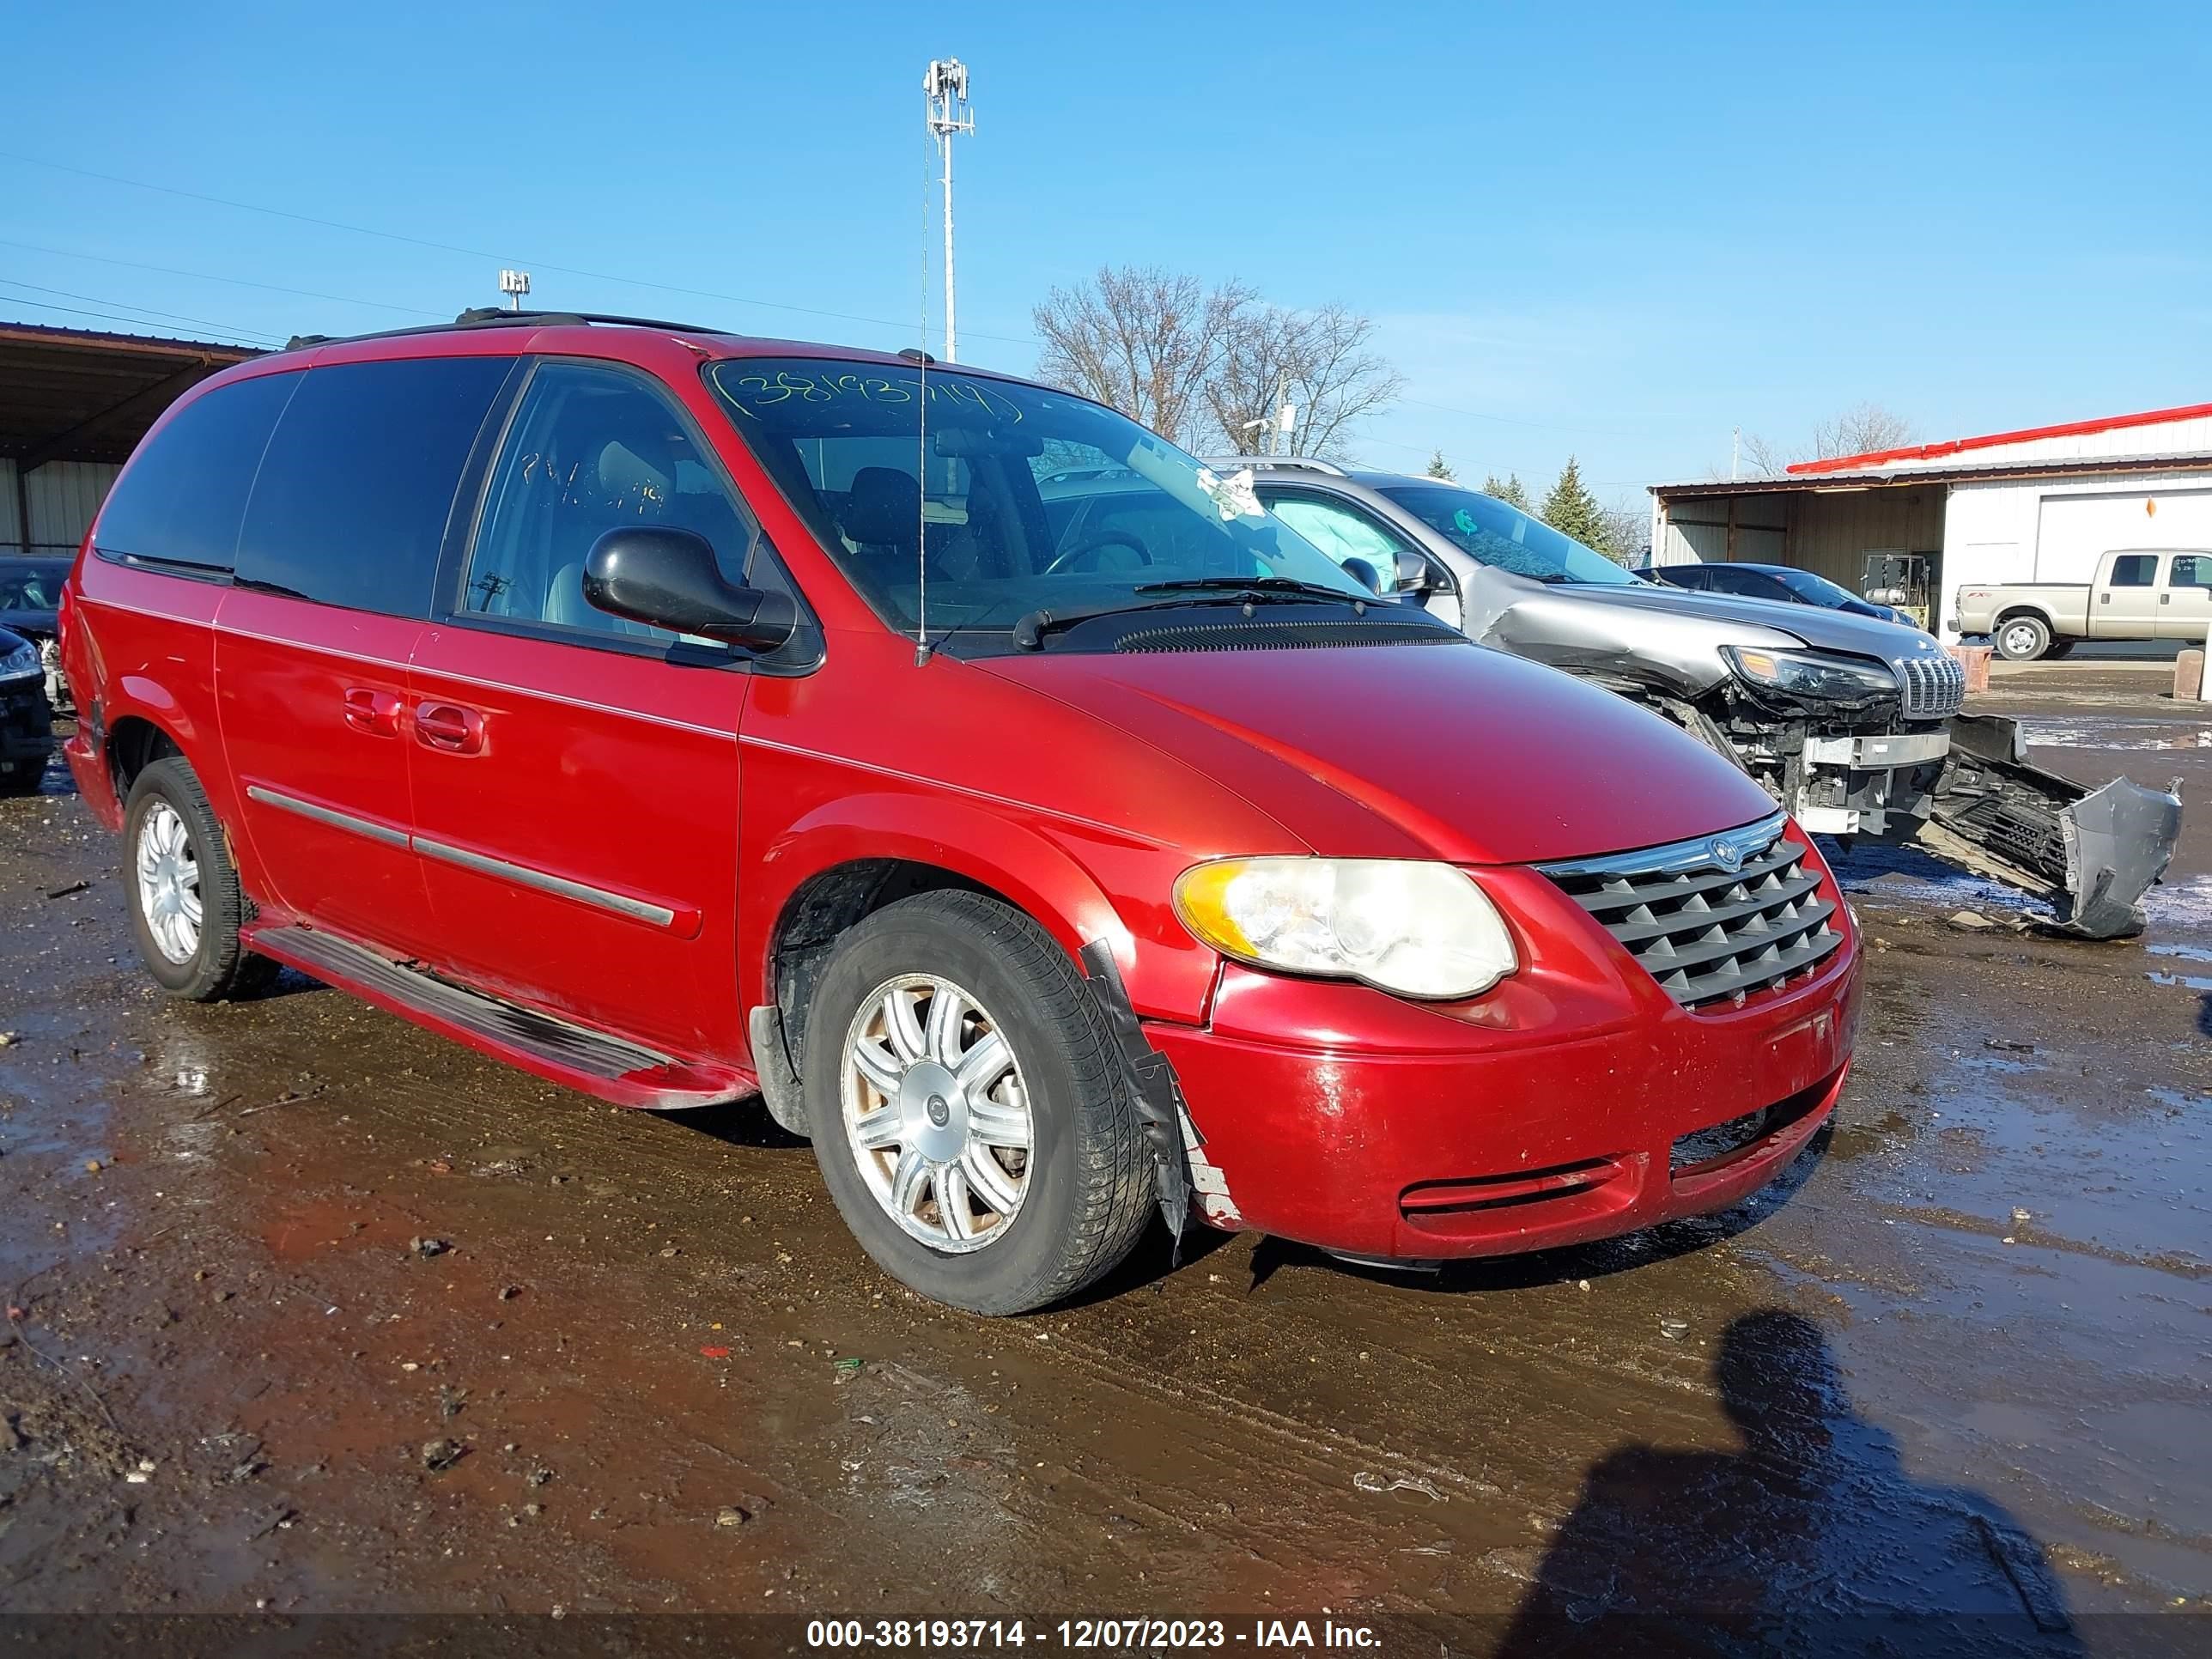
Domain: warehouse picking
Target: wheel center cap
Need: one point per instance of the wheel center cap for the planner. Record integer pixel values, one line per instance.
(934, 1111)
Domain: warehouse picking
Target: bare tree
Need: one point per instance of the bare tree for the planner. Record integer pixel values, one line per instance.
(1319, 360)
(1863, 429)
(1627, 534)
(1860, 430)
(1144, 340)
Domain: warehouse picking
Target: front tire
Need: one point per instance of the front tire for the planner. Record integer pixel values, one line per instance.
(2022, 639)
(186, 905)
(969, 1111)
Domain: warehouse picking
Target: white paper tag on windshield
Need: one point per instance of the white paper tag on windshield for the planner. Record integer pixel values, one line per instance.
(1234, 495)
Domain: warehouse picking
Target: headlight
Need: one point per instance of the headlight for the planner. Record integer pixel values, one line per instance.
(23, 659)
(1419, 930)
(1809, 674)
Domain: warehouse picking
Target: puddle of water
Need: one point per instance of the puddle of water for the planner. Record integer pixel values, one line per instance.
(2180, 905)
(1906, 875)
(2188, 982)
(2187, 952)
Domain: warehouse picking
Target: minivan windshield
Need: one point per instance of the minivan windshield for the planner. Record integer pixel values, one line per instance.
(1011, 498)
(1494, 533)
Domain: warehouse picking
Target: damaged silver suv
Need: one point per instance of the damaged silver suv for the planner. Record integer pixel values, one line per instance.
(1851, 723)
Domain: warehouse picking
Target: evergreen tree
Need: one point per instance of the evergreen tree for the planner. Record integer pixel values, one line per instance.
(1509, 492)
(1572, 510)
(1440, 468)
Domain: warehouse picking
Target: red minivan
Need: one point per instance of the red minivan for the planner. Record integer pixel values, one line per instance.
(1036, 823)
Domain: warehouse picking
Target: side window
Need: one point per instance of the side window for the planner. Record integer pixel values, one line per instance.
(2135, 570)
(2192, 570)
(1343, 533)
(351, 504)
(183, 495)
(591, 449)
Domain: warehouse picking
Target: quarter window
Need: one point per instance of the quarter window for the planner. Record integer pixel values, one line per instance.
(591, 449)
(354, 494)
(181, 498)
(2135, 570)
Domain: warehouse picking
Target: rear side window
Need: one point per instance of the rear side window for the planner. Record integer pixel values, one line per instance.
(180, 499)
(354, 491)
(2135, 570)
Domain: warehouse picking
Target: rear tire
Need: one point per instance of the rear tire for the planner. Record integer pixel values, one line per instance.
(2022, 639)
(2059, 648)
(186, 905)
(1036, 1222)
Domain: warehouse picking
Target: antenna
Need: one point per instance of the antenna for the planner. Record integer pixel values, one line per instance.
(946, 86)
(515, 284)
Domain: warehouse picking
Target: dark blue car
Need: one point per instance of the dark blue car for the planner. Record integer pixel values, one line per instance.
(1774, 581)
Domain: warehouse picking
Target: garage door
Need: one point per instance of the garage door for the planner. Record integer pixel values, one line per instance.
(2075, 531)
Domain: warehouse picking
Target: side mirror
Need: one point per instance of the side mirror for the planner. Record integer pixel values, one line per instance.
(1360, 570)
(1412, 574)
(668, 577)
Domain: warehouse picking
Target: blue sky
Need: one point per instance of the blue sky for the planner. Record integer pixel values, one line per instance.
(1615, 230)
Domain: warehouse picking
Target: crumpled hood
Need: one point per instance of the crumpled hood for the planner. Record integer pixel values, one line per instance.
(1811, 624)
(1452, 750)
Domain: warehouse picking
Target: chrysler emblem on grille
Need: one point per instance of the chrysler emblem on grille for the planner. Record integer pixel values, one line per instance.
(1725, 853)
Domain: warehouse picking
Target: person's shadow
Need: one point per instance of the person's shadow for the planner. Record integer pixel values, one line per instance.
(1812, 1539)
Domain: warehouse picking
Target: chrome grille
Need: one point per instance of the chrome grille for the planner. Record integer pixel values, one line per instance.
(1712, 920)
(1934, 687)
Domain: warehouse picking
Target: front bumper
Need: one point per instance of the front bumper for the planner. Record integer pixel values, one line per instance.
(1558, 1109)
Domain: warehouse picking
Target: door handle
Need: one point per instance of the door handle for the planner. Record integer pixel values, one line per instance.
(377, 713)
(450, 728)
(2166, 598)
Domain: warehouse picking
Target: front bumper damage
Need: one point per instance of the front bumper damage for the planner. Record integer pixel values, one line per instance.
(2092, 852)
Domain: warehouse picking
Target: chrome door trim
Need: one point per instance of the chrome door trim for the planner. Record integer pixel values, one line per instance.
(335, 819)
(620, 903)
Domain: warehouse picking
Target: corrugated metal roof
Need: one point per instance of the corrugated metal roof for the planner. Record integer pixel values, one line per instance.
(1906, 477)
(76, 394)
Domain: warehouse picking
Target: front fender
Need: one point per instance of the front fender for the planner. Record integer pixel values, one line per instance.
(1080, 883)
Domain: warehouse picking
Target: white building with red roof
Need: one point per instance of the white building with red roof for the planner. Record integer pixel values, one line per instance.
(2038, 504)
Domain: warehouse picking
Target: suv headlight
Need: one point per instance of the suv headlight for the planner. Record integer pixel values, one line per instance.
(1419, 930)
(23, 659)
(1811, 674)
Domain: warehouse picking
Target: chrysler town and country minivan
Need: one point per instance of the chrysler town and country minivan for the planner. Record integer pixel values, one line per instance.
(681, 716)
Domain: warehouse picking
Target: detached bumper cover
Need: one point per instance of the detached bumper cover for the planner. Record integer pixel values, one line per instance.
(2092, 852)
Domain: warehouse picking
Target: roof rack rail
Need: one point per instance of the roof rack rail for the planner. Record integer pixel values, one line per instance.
(498, 316)
(1285, 462)
(493, 317)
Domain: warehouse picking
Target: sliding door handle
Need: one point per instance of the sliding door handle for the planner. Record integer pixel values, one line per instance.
(449, 727)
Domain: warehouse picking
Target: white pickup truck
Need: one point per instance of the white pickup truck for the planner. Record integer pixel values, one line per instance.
(2140, 594)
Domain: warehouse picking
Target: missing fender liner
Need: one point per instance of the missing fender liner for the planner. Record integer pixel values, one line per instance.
(1152, 1086)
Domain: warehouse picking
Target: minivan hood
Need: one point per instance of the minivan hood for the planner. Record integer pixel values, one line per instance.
(1452, 750)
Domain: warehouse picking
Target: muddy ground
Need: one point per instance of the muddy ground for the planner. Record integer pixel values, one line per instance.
(1957, 1361)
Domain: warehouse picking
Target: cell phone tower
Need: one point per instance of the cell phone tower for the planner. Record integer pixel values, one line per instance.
(946, 86)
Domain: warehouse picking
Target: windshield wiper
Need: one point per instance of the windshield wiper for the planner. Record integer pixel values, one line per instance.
(1256, 584)
(1030, 632)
